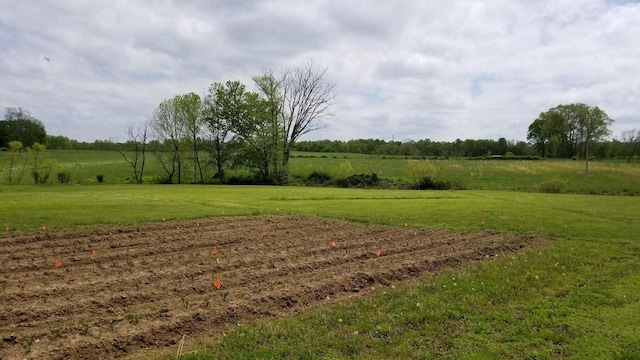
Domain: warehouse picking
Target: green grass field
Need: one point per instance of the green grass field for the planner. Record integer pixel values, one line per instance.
(576, 298)
(606, 177)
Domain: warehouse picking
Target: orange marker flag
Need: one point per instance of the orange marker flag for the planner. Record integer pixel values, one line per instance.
(217, 284)
(326, 226)
(44, 228)
(58, 263)
(415, 233)
(93, 252)
(214, 250)
(379, 252)
(263, 233)
(333, 243)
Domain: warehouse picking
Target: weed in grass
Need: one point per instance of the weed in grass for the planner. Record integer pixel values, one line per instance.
(132, 318)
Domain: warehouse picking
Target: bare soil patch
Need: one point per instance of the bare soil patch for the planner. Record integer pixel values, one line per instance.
(146, 286)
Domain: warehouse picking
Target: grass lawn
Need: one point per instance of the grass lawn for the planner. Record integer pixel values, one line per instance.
(576, 298)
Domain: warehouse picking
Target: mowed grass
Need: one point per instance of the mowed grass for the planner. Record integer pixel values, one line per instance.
(575, 298)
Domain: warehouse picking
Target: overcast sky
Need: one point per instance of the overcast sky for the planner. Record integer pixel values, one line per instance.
(436, 70)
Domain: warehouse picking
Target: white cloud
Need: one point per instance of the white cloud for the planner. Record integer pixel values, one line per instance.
(411, 70)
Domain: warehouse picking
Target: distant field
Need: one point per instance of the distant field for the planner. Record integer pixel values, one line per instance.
(605, 177)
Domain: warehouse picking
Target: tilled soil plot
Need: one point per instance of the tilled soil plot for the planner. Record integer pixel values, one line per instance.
(109, 292)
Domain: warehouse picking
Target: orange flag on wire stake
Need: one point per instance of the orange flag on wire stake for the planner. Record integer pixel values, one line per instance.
(379, 252)
(93, 252)
(58, 263)
(44, 228)
(333, 243)
(214, 249)
(217, 284)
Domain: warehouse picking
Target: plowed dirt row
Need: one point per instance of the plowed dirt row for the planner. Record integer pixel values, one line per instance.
(146, 286)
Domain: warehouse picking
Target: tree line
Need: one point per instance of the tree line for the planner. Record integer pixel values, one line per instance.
(231, 127)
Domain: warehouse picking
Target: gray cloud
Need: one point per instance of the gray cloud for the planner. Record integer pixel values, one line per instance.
(411, 70)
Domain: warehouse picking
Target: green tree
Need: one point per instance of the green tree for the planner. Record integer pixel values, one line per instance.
(58, 143)
(188, 108)
(20, 125)
(260, 139)
(170, 132)
(593, 125)
(15, 149)
(40, 167)
(576, 126)
(223, 106)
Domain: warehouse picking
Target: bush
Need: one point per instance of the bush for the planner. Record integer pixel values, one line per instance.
(64, 177)
(100, 178)
(359, 181)
(552, 186)
(427, 183)
(318, 178)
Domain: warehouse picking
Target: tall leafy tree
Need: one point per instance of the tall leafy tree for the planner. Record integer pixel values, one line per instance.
(188, 108)
(223, 106)
(170, 132)
(20, 125)
(576, 126)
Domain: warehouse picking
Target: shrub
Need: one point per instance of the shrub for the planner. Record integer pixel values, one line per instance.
(427, 183)
(359, 181)
(100, 178)
(552, 186)
(64, 177)
(319, 178)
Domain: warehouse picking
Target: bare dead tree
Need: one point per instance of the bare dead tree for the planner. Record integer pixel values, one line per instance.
(631, 143)
(137, 138)
(306, 103)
